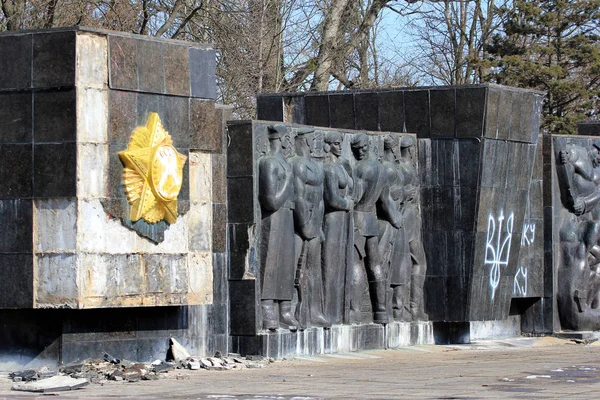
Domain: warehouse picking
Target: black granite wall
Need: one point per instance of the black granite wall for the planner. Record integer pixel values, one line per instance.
(477, 146)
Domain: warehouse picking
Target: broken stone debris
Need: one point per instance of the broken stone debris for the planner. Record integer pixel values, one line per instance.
(109, 368)
(56, 383)
(177, 351)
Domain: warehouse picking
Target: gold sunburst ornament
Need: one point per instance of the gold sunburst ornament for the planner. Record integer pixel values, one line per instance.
(153, 173)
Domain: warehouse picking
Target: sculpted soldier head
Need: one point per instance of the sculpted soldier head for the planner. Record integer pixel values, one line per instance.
(360, 146)
(276, 131)
(595, 152)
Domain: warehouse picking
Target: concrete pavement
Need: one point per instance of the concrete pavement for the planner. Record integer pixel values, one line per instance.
(520, 368)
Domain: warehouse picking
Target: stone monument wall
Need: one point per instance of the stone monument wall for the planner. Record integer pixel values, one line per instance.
(112, 153)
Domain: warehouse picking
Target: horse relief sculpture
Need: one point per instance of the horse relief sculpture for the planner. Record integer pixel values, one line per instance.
(339, 237)
(578, 278)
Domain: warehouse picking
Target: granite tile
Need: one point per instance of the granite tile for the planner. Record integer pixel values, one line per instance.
(470, 111)
(219, 178)
(240, 199)
(341, 111)
(16, 269)
(443, 113)
(206, 132)
(122, 109)
(416, 112)
(151, 66)
(54, 170)
(54, 117)
(240, 154)
(269, 108)
(123, 62)
(492, 124)
(177, 70)
(147, 103)
(317, 110)
(53, 59)
(243, 302)
(366, 108)
(391, 111)
(175, 116)
(16, 170)
(16, 62)
(16, 216)
(219, 225)
(15, 116)
(203, 73)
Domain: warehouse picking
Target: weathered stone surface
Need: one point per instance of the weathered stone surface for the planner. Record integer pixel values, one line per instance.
(202, 73)
(56, 280)
(122, 53)
(56, 225)
(92, 61)
(200, 268)
(205, 128)
(92, 115)
(92, 179)
(177, 70)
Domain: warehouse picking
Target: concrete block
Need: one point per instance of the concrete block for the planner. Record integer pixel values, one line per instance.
(200, 176)
(55, 225)
(91, 61)
(92, 115)
(200, 273)
(92, 171)
(200, 226)
(55, 280)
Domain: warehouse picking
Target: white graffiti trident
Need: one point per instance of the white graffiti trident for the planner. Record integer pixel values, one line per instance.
(497, 249)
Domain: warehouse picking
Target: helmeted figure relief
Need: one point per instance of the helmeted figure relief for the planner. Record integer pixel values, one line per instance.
(372, 192)
(578, 280)
(393, 243)
(308, 222)
(337, 248)
(412, 225)
(278, 263)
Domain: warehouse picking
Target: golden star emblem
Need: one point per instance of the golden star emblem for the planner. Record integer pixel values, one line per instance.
(153, 173)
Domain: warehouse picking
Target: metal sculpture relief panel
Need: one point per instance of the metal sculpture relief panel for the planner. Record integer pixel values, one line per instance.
(578, 277)
(340, 238)
(153, 173)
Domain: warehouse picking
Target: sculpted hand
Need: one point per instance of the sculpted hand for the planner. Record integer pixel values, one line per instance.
(397, 222)
(350, 205)
(579, 207)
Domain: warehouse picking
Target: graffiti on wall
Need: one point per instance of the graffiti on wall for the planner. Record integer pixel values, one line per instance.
(497, 249)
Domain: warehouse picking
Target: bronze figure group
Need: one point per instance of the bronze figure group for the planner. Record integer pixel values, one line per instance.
(335, 231)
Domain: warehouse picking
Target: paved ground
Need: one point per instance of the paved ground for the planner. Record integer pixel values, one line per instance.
(521, 368)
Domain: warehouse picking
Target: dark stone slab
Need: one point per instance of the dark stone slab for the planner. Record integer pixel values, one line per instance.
(435, 244)
(505, 108)
(317, 110)
(203, 73)
(435, 297)
(220, 283)
(240, 152)
(239, 244)
(177, 70)
(469, 155)
(269, 108)
(295, 109)
(146, 103)
(391, 111)
(219, 223)
(122, 111)
(240, 199)
(115, 173)
(175, 116)
(527, 131)
(587, 128)
(243, 308)
(492, 122)
(54, 170)
(15, 115)
(425, 161)
(470, 111)
(53, 59)
(219, 178)
(500, 163)
(443, 215)
(366, 108)
(452, 332)
(442, 162)
(17, 219)
(206, 131)
(150, 66)
(456, 291)
(416, 112)
(465, 206)
(123, 63)
(16, 171)
(54, 117)
(18, 270)
(517, 100)
(341, 111)
(184, 192)
(443, 113)
(16, 62)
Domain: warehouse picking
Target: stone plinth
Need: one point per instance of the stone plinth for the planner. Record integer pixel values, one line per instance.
(69, 101)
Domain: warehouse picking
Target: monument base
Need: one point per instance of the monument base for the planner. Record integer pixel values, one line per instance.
(579, 335)
(337, 339)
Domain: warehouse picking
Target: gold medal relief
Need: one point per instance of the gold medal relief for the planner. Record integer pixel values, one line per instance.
(153, 173)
